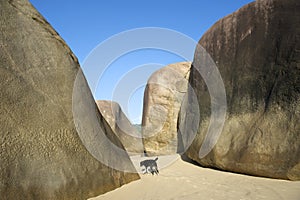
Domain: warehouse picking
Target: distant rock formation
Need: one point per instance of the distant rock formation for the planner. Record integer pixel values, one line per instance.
(41, 154)
(162, 100)
(257, 52)
(128, 134)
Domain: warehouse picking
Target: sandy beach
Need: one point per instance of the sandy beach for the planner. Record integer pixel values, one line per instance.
(183, 180)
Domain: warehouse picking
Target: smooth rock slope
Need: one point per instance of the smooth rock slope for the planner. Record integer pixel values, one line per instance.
(257, 52)
(129, 135)
(162, 100)
(41, 154)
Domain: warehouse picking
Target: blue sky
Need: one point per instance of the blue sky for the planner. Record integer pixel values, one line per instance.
(86, 24)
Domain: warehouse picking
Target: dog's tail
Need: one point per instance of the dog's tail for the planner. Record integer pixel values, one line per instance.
(156, 159)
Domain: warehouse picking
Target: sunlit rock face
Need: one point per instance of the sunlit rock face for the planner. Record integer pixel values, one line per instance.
(257, 52)
(127, 133)
(162, 100)
(41, 154)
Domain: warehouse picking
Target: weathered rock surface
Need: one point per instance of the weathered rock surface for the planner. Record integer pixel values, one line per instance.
(41, 154)
(162, 100)
(128, 134)
(257, 52)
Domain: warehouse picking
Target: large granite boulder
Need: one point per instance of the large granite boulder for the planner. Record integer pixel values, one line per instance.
(41, 154)
(127, 133)
(164, 92)
(257, 52)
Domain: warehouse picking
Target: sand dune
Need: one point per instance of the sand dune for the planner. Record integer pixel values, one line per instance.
(183, 180)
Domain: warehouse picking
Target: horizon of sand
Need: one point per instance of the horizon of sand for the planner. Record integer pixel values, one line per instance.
(185, 181)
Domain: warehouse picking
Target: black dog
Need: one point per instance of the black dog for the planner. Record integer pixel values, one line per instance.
(150, 166)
